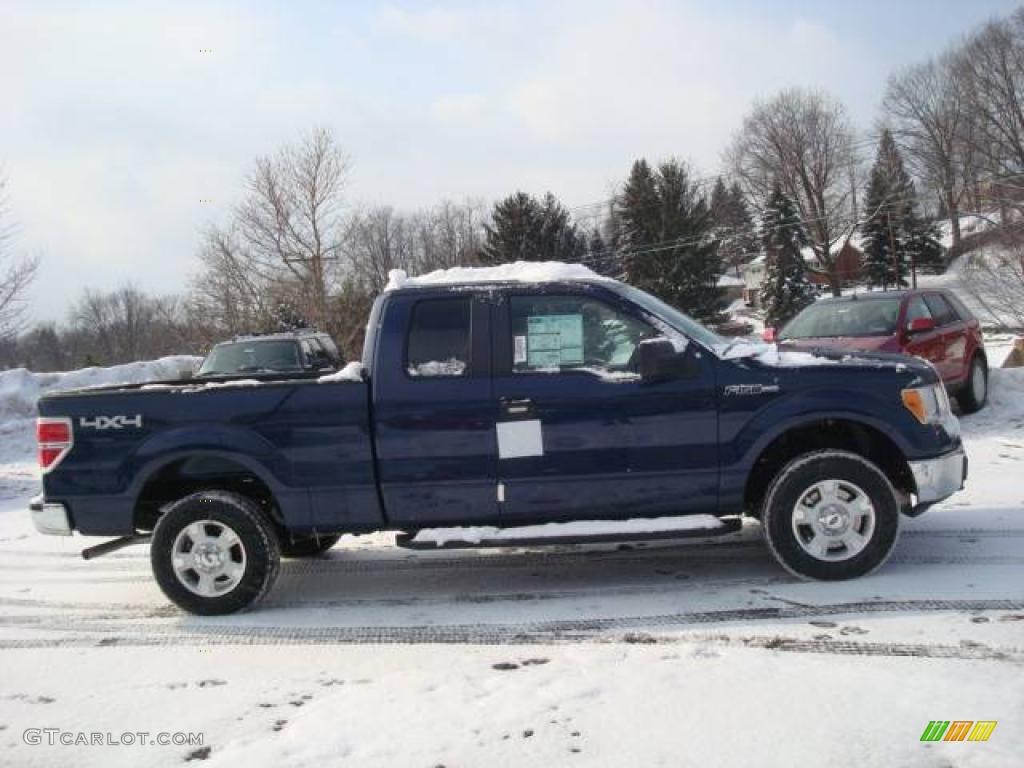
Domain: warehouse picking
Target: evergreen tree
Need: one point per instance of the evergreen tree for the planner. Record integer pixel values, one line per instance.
(787, 288)
(896, 239)
(523, 228)
(665, 237)
(734, 228)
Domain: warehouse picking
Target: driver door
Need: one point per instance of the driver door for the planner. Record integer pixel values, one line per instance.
(580, 435)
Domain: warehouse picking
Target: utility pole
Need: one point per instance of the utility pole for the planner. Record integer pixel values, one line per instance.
(892, 249)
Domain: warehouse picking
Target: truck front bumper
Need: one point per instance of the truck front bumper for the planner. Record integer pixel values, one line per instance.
(51, 519)
(938, 478)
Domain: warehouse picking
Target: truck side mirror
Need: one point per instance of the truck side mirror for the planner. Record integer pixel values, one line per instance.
(656, 358)
(921, 325)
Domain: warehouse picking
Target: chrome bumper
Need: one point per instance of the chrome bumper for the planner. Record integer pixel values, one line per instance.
(51, 519)
(937, 479)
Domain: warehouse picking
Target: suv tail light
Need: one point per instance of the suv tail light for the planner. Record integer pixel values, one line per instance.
(55, 438)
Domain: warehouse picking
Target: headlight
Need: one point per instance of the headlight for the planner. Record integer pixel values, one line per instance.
(930, 405)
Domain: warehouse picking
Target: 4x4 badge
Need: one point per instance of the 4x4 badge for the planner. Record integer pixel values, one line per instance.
(111, 422)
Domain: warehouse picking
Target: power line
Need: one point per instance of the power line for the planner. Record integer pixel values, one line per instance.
(671, 244)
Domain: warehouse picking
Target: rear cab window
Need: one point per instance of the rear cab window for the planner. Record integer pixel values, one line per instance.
(438, 344)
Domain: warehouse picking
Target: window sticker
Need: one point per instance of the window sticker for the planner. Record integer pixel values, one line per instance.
(519, 349)
(554, 340)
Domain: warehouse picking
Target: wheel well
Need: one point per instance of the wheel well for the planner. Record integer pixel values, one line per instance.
(196, 473)
(839, 434)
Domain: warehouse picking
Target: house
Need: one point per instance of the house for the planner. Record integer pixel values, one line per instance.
(849, 260)
(732, 288)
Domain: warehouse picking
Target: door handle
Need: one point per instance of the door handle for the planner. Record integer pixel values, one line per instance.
(516, 406)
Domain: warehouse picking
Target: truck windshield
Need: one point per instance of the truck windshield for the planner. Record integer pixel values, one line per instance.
(678, 320)
(856, 317)
(251, 357)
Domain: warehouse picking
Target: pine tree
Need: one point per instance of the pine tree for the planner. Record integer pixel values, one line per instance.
(734, 228)
(665, 237)
(896, 239)
(523, 228)
(787, 289)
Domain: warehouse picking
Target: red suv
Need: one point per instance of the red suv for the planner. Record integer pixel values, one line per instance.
(931, 324)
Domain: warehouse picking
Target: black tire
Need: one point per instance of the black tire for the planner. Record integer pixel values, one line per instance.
(790, 487)
(969, 398)
(311, 547)
(257, 543)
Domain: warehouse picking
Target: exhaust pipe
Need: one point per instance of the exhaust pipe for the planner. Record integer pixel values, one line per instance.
(91, 553)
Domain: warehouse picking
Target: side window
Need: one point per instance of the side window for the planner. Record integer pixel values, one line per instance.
(439, 338)
(317, 355)
(941, 311)
(330, 349)
(916, 309)
(559, 333)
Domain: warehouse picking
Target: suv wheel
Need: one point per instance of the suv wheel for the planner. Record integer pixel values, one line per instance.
(831, 515)
(311, 547)
(214, 553)
(975, 392)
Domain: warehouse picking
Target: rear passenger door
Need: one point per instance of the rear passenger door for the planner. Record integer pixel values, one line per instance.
(953, 337)
(433, 410)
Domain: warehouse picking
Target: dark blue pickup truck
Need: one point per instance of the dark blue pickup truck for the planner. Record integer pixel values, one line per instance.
(505, 406)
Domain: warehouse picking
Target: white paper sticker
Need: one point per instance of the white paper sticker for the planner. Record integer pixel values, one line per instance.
(519, 349)
(517, 439)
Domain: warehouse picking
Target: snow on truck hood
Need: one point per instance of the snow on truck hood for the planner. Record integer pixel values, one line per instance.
(516, 272)
(778, 356)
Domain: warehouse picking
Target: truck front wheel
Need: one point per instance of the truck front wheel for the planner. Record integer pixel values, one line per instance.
(831, 515)
(214, 553)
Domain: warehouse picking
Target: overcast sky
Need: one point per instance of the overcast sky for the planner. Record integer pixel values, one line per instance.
(114, 124)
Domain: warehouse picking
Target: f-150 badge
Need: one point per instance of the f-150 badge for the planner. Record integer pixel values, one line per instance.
(751, 389)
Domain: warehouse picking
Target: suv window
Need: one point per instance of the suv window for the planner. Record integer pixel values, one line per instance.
(559, 333)
(439, 338)
(941, 311)
(330, 348)
(916, 309)
(316, 356)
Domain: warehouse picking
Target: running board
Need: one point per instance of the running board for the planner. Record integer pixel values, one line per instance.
(568, 533)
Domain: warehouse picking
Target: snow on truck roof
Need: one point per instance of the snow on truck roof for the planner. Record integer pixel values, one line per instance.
(516, 272)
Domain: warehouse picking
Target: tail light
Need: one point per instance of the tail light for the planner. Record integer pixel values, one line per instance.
(55, 439)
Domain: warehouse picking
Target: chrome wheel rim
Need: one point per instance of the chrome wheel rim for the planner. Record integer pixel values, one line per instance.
(978, 383)
(208, 558)
(833, 520)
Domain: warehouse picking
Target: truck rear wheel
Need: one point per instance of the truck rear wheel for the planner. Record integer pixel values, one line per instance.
(311, 547)
(214, 553)
(831, 515)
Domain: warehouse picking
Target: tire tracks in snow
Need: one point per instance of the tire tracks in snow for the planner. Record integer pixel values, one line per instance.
(636, 629)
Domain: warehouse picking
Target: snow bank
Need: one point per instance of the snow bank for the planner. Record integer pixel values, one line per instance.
(20, 390)
(516, 272)
(476, 534)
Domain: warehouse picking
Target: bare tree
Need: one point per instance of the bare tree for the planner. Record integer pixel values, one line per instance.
(929, 114)
(994, 278)
(15, 275)
(803, 140)
(990, 66)
(291, 224)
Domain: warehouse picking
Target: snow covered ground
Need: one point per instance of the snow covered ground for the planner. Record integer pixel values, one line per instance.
(695, 653)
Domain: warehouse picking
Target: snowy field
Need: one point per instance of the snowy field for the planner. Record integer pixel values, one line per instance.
(674, 654)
